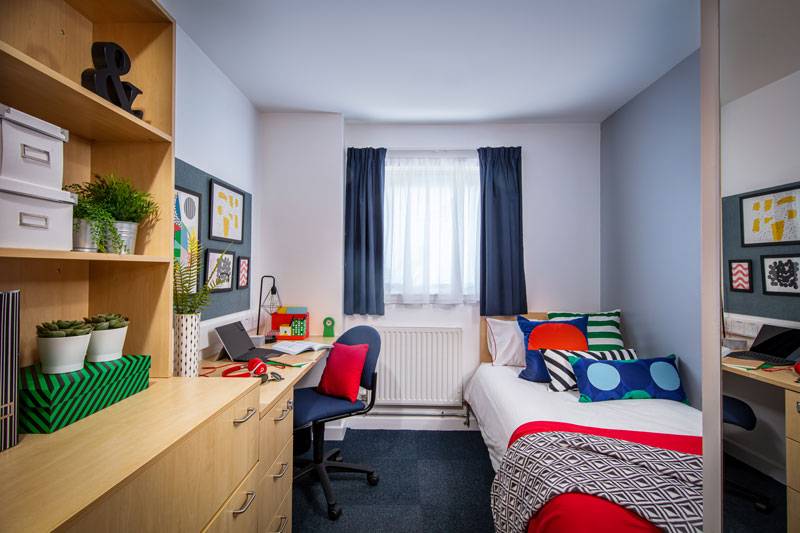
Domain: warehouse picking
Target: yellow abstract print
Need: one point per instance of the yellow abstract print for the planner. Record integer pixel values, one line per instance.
(771, 217)
(227, 213)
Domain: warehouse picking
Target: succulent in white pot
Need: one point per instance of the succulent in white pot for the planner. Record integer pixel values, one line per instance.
(108, 337)
(62, 345)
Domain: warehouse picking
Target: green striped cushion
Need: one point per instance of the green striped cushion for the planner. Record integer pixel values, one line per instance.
(604, 331)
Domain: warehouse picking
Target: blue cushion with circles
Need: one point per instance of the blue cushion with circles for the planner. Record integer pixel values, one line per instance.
(636, 379)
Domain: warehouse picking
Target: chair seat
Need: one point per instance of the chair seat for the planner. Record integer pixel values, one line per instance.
(309, 406)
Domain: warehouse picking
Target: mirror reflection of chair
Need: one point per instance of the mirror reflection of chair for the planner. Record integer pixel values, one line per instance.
(312, 410)
(737, 413)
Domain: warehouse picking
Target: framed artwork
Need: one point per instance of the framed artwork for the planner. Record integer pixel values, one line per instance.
(227, 213)
(243, 279)
(771, 218)
(781, 274)
(740, 275)
(186, 222)
(223, 275)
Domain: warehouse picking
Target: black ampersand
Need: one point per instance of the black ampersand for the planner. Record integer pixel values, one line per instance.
(110, 63)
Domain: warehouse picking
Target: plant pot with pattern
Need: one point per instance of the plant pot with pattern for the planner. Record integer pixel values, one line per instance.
(62, 345)
(108, 337)
(188, 301)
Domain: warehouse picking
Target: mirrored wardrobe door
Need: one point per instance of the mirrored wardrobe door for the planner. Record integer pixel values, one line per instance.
(760, 186)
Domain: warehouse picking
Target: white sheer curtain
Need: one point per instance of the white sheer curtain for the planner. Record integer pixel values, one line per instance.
(431, 228)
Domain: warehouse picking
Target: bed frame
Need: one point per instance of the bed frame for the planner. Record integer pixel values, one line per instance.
(485, 356)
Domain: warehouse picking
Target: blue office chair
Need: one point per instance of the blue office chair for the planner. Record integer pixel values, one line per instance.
(738, 413)
(312, 409)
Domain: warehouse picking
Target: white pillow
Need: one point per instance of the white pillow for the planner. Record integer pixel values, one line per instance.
(506, 343)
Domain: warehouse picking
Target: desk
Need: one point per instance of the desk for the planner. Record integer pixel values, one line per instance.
(787, 380)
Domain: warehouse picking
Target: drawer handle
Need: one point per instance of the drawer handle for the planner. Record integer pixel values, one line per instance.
(284, 468)
(797, 406)
(285, 412)
(248, 416)
(284, 522)
(30, 220)
(37, 155)
(251, 495)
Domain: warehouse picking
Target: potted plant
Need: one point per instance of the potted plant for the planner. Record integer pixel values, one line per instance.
(188, 301)
(108, 337)
(127, 206)
(62, 345)
(93, 227)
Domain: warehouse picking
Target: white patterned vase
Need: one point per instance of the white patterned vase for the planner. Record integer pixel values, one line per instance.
(186, 354)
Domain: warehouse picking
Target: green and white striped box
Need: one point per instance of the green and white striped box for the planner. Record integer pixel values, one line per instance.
(49, 402)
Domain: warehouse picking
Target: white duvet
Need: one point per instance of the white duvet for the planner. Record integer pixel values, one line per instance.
(501, 402)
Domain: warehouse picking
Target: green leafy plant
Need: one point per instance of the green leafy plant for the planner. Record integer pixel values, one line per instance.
(101, 222)
(107, 321)
(123, 201)
(187, 297)
(63, 328)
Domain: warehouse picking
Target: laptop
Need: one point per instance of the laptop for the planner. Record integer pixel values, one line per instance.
(775, 345)
(239, 346)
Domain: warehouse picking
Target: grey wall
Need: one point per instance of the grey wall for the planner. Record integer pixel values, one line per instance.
(222, 303)
(650, 219)
(754, 303)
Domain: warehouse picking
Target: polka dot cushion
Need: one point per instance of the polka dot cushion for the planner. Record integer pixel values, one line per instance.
(655, 378)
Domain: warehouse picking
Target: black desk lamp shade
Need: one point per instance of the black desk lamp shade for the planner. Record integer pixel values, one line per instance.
(269, 303)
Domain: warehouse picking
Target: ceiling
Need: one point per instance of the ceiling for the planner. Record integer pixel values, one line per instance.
(443, 61)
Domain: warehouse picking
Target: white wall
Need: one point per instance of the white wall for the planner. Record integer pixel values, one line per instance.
(301, 213)
(561, 214)
(216, 131)
(759, 133)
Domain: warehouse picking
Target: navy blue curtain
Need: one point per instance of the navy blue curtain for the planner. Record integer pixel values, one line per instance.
(363, 232)
(502, 265)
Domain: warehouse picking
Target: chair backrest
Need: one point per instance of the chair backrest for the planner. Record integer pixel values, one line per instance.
(738, 413)
(365, 335)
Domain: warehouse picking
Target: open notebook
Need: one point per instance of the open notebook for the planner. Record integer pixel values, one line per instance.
(296, 347)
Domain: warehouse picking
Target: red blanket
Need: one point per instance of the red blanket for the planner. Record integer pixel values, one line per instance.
(579, 513)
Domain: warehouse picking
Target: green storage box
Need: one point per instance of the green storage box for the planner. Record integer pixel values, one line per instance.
(49, 402)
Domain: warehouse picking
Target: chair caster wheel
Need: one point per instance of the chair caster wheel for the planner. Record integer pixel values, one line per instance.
(763, 508)
(338, 458)
(373, 478)
(334, 512)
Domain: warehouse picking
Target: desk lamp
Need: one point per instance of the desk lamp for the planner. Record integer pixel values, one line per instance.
(271, 303)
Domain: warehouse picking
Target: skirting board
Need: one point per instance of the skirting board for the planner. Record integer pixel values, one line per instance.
(414, 423)
(757, 461)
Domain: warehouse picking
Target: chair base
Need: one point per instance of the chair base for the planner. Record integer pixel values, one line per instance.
(329, 462)
(760, 502)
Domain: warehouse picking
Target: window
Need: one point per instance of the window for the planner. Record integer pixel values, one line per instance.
(431, 227)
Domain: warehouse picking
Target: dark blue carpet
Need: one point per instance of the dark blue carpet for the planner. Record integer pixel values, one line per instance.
(431, 481)
(739, 515)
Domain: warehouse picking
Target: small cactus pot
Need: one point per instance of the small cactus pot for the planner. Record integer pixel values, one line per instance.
(106, 345)
(59, 355)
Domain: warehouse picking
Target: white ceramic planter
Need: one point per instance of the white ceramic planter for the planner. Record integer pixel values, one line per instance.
(59, 355)
(106, 345)
(186, 353)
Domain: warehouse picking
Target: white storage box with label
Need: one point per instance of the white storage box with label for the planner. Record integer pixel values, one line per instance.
(35, 217)
(32, 149)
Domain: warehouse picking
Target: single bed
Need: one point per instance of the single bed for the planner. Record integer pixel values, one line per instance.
(503, 403)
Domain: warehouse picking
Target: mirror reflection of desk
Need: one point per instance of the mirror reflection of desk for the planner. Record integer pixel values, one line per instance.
(787, 380)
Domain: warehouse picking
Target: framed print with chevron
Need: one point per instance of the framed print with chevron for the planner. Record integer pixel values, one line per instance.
(243, 280)
(770, 218)
(740, 275)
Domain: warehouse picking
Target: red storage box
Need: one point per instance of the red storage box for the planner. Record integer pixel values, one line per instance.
(298, 321)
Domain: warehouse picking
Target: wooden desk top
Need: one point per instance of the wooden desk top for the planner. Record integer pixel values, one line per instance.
(785, 379)
(272, 390)
(49, 478)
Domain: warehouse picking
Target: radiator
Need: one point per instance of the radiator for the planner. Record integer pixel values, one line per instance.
(420, 367)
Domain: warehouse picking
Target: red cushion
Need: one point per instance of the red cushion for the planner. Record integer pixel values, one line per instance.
(342, 373)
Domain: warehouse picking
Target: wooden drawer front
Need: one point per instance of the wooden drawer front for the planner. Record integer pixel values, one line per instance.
(793, 516)
(275, 483)
(793, 464)
(276, 428)
(793, 415)
(281, 521)
(240, 512)
(184, 488)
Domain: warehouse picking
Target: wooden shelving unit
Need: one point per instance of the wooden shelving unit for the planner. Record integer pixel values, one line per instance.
(44, 47)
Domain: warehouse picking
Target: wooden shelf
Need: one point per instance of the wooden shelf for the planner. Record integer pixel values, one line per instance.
(36, 89)
(26, 253)
(116, 11)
